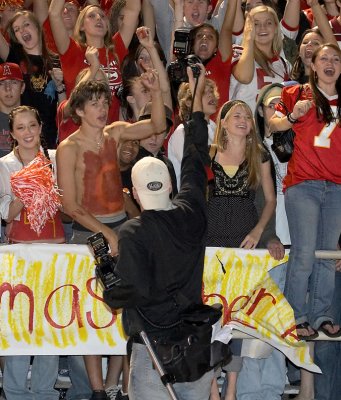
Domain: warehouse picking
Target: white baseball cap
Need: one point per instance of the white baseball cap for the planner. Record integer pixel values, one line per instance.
(151, 180)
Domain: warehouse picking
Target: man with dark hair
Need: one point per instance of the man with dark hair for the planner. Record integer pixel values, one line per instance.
(161, 257)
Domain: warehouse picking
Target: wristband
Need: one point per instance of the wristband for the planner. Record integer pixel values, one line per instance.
(291, 119)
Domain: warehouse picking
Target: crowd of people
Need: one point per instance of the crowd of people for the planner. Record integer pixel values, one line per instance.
(90, 88)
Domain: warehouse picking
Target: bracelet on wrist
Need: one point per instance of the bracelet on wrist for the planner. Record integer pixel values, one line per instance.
(291, 119)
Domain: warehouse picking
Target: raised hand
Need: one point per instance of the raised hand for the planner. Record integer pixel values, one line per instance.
(201, 79)
(249, 28)
(301, 108)
(57, 76)
(91, 55)
(150, 79)
(312, 3)
(145, 38)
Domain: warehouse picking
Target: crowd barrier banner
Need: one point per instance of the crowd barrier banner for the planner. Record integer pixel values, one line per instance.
(252, 302)
(50, 302)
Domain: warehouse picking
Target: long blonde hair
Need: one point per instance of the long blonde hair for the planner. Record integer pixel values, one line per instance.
(277, 42)
(79, 34)
(253, 151)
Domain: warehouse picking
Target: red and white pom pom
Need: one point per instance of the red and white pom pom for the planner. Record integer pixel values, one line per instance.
(34, 185)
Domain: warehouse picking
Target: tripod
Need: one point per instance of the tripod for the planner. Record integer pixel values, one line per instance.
(165, 378)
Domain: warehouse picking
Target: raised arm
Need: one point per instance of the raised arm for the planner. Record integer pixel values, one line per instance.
(4, 47)
(156, 125)
(60, 34)
(41, 10)
(178, 14)
(197, 87)
(280, 122)
(131, 15)
(177, 23)
(217, 7)
(322, 22)
(225, 37)
(239, 21)
(243, 71)
(164, 16)
(145, 38)
(148, 16)
(91, 55)
(291, 16)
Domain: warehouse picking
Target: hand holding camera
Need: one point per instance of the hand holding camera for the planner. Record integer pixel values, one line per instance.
(105, 262)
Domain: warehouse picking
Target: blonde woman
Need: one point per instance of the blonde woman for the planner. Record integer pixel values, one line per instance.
(259, 61)
(240, 165)
(92, 29)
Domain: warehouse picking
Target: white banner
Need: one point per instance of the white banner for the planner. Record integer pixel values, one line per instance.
(50, 302)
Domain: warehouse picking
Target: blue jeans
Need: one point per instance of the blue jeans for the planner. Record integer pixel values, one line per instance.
(145, 382)
(80, 385)
(264, 379)
(43, 377)
(328, 355)
(314, 216)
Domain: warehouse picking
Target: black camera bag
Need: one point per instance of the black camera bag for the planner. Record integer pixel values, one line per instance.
(283, 144)
(185, 349)
(187, 353)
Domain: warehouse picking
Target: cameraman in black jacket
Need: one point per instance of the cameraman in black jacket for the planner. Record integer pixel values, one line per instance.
(161, 255)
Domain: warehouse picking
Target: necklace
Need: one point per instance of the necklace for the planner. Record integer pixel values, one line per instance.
(19, 156)
(17, 153)
(99, 142)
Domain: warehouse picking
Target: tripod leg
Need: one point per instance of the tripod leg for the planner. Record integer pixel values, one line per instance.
(158, 366)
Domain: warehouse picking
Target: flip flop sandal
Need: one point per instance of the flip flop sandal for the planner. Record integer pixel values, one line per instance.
(306, 325)
(326, 332)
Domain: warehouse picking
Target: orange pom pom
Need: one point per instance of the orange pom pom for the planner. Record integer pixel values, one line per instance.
(34, 185)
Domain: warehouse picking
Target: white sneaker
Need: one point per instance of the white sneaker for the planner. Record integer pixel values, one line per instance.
(112, 391)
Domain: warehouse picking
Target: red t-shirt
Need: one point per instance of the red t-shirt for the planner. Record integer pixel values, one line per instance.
(66, 126)
(48, 35)
(317, 145)
(220, 72)
(20, 231)
(73, 61)
(310, 16)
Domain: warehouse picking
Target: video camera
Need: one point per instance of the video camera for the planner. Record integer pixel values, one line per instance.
(177, 70)
(105, 262)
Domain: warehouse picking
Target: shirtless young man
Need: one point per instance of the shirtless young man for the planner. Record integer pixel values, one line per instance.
(89, 175)
(88, 171)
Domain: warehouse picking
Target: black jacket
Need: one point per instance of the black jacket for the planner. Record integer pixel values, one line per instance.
(162, 252)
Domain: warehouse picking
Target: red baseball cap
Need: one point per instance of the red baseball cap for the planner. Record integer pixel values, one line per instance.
(10, 71)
